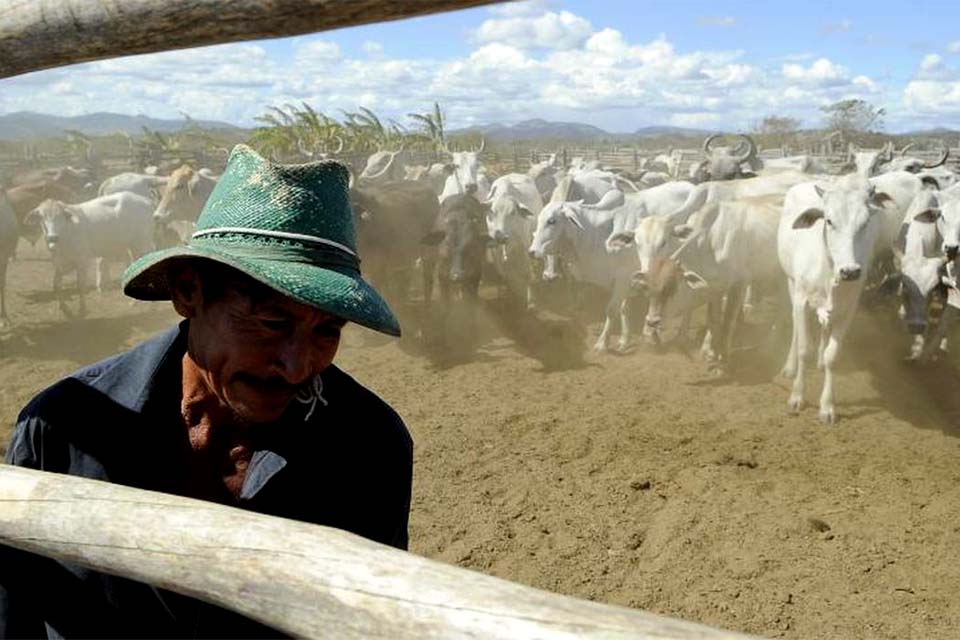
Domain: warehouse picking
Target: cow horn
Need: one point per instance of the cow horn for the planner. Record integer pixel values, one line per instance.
(483, 143)
(943, 159)
(562, 192)
(708, 141)
(385, 168)
(340, 148)
(751, 149)
(353, 179)
(903, 151)
(302, 149)
(886, 154)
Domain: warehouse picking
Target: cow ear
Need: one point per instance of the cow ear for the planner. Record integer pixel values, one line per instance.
(807, 218)
(879, 199)
(526, 213)
(449, 168)
(928, 216)
(620, 240)
(572, 217)
(694, 280)
(32, 219)
(433, 238)
(71, 214)
(818, 189)
(930, 182)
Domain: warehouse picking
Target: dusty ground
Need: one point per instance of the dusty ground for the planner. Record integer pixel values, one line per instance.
(636, 479)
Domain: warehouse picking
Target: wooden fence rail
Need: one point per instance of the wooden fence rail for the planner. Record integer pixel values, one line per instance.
(301, 579)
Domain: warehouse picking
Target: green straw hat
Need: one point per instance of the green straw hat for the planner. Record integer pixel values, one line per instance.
(288, 226)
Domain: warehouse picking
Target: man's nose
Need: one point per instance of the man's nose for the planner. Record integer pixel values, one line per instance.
(297, 362)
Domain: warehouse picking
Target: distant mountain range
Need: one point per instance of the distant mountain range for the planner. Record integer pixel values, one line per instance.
(542, 129)
(27, 124)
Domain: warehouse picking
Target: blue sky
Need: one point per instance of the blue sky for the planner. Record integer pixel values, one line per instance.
(613, 63)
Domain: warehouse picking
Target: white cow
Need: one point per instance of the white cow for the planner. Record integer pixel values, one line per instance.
(142, 184)
(713, 266)
(515, 203)
(544, 174)
(921, 259)
(116, 226)
(584, 231)
(825, 242)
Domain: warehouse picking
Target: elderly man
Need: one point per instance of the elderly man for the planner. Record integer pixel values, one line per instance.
(239, 404)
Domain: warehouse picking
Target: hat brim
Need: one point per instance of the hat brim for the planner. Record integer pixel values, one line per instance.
(346, 296)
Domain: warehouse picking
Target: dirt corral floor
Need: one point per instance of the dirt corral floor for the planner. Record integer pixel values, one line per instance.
(635, 479)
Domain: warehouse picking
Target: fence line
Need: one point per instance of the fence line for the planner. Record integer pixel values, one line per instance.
(301, 579)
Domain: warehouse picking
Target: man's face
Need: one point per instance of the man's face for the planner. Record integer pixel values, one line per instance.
(255, 352)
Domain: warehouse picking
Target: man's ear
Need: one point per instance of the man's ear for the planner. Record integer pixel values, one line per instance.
(186, 291)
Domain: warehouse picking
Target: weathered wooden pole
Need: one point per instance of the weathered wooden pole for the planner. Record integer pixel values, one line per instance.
(39, 34)
(301, 579)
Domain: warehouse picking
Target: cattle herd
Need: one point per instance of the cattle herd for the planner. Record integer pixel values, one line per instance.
(734, 229)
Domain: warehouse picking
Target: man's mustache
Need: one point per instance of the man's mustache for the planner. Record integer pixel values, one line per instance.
(273, 384)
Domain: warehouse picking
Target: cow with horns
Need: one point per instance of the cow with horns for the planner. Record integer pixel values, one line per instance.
(725, 162)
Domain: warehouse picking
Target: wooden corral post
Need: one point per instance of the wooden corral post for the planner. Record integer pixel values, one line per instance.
(301, 579)
(39, 34)
(564, 159)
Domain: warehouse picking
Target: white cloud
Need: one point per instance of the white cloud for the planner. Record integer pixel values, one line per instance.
(717, 21)
(930, 62)
(372, 48)
(822, 72)
(530, 60)
(954, 47)
(318, 50)
(550, 30)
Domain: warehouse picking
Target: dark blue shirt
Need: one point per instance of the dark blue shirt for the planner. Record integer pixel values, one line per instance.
(339, 457)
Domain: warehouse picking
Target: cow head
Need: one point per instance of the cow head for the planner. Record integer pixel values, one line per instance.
(184, 195)
(846, 216)
(55, 219)
(555, 223)
(460, 235)
(868, 163)
(724, 162)
(468, 168)
(505, 214)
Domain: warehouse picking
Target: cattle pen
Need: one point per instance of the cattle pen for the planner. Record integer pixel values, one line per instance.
(300, 579)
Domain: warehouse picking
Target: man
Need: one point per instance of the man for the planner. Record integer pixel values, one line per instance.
(239, 404)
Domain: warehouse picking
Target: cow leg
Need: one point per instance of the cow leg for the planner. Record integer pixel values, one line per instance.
(611, 309)
(714, 330)
(58, 289)
(624, 308)
(789, 369)
(102, 270)
(733, 309)
(834, 339)
(81, 290)
(428, 267)
(939, 337)
(799, 350)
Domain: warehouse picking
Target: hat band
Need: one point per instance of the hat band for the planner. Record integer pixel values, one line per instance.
(329, 255)
(285, 235)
